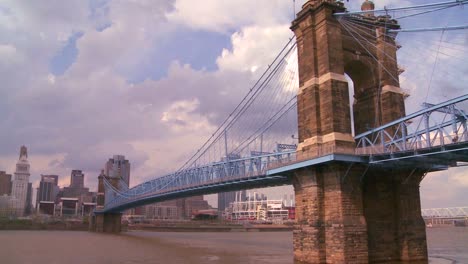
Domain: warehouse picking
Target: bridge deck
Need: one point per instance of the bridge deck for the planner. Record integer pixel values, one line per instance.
(431, 159)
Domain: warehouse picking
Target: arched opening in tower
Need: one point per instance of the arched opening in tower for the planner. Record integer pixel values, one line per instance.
(363, 90)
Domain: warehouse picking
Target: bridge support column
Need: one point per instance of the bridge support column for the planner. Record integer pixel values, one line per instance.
(349, 214)
(106, 223)
(412, 228)
(330, 224)
(346, 214)
(396, 229)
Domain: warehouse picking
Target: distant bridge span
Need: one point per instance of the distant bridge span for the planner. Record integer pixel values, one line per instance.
(446, 213)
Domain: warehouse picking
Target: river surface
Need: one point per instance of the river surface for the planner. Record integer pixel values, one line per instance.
(446, 245)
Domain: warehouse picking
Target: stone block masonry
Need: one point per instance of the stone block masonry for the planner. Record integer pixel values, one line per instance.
(348, 213)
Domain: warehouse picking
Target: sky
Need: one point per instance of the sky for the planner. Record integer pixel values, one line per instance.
(83, 80)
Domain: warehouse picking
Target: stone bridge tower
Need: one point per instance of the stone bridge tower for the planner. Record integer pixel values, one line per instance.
(348, 213)
(105, 222)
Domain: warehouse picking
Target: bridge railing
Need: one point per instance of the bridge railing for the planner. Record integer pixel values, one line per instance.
(313, 153)
(435, 126)
(415, 144)
(215, 173)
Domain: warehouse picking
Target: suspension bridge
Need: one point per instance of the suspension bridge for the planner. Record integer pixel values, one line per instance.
(355, 166)
(457, 216)
(447, 213)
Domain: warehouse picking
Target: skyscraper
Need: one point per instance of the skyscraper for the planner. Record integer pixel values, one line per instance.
(28, 208)
(76, 188)
(19, 187)
(118, 167)
(226, 198)
(77, 179)
(48, 189)
(5, 183)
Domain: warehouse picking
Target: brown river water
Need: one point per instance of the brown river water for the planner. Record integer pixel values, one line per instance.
(446, 245)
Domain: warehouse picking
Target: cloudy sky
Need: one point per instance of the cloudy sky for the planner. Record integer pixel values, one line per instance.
(151, 79)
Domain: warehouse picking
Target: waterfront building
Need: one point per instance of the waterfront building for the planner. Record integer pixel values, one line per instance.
(259, 208)
(77, 179)
(191, 205)
(227, 198)
(77, 188)
(48, 189)
(183, 208)
(274, 210)
(46, 207)
(20, 184)
(75, 199)
(69, 206)
(164, 210)
(224, 199)
(29, 206)
(140, 210)
(118, 167)
(87, 208)
(5, 206)
(5, 183)
(208, 214)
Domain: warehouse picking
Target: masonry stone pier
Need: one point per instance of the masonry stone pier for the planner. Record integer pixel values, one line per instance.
(348, 213)
(105, 222)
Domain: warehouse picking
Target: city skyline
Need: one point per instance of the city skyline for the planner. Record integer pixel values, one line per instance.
(116, 77)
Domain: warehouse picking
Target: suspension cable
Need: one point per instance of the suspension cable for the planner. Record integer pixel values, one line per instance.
(406, 8)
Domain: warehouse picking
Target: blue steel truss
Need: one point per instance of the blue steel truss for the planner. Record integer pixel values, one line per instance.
(249, 170)
(435, 126)
(436, 131)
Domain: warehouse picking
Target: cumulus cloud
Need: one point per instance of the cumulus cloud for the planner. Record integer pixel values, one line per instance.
(225, 16)
(180, 117)
(9, 55)
(252, 46)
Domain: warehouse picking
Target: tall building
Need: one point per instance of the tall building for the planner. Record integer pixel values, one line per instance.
(163, 210)
(20, 184)
(5, 206)
(5, 183)
(226, 198)
(76, 188)
(192, 205)
(182, 208)
(29, 206)
(77, 179)
(48, 189)
(118, 167)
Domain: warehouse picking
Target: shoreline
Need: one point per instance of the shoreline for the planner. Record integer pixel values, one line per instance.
(31, 225)
(211, 228)
(79, 225)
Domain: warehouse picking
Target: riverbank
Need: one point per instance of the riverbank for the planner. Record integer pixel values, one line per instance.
(56, 224)
(60, 224)
(211, 228)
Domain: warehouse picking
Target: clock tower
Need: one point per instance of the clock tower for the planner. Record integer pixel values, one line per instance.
(19, 188)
